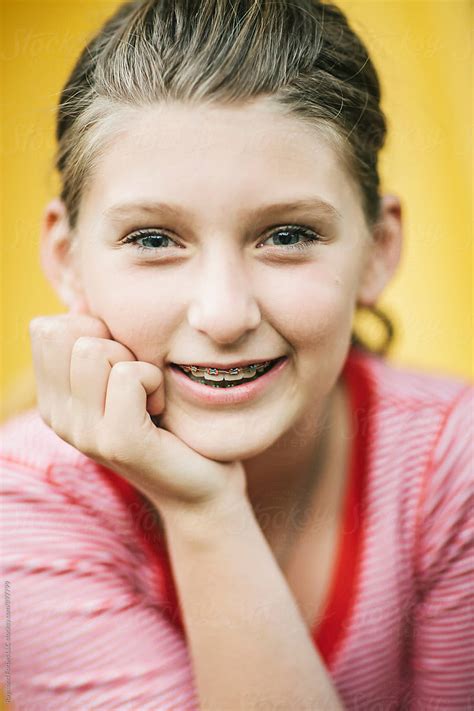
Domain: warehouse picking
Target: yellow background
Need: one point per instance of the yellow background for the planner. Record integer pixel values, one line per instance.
(423, 53)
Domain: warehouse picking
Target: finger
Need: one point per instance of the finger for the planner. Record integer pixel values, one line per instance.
(160, 464)
(155, 403)
(91, 362)
(52, 339)
(130, 383)
(140, 451)
(50, 344)
(43, 392)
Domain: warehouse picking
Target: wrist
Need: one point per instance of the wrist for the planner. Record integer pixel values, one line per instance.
(200, 523)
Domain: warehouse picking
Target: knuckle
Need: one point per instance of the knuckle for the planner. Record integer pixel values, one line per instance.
(85, 346)
(43, 327)
(118, 352)
(34, 325)
(122, 369)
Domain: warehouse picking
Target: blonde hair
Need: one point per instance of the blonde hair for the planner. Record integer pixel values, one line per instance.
(301, 53)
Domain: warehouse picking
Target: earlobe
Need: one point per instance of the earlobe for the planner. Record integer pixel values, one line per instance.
(384, 252)
(57, 255)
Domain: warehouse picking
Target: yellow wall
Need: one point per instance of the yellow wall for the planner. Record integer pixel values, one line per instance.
(422, 50)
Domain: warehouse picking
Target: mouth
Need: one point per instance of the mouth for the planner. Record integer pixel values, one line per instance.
(227, 377)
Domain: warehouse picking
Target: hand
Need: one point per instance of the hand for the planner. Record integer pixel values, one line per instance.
(98, 397)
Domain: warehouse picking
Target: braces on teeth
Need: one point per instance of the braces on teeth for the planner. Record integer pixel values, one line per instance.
(231, 374)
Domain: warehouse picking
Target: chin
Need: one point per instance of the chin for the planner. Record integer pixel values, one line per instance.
(217, 439)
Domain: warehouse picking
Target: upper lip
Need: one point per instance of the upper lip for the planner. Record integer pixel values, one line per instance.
(226, 366)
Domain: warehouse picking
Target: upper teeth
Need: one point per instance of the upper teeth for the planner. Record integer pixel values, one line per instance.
(230, 374)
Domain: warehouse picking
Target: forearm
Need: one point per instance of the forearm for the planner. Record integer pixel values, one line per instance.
(249, 646)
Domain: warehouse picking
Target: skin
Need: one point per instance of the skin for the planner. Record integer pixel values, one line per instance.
(215, 297)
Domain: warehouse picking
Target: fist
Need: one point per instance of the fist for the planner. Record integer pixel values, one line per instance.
(99, 398)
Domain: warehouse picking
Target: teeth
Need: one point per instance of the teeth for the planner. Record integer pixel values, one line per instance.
(230, 375)
(213, 374)
(210, 374)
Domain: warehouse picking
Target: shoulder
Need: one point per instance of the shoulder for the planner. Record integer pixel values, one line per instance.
(408, 386)
(418, 436)
(408, 406)
(435, 411)
(418, 444)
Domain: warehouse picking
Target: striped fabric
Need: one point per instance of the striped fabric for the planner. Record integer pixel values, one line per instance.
(94, 613)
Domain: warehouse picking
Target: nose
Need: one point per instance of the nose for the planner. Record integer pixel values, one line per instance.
(224, 306)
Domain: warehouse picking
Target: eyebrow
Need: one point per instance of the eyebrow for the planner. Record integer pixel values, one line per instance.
(124, 210)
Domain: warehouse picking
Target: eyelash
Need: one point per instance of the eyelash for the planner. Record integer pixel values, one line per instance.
(289, 229)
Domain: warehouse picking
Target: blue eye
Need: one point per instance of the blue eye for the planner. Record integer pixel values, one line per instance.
(289, 235)
(148, 240)
(156, 240)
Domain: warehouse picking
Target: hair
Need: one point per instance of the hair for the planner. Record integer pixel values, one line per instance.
(301, 53)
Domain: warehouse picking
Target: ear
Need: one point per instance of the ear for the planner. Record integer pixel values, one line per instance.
(58, 256)
(384, 252)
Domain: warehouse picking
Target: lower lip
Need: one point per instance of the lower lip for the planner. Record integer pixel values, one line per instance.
(226, 396)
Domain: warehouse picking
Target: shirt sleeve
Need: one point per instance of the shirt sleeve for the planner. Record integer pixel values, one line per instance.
(442, 662)
(83, 634)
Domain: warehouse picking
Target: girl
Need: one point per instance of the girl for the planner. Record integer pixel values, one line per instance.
(224, 500)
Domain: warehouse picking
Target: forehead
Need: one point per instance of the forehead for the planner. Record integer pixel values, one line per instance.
(211, 155)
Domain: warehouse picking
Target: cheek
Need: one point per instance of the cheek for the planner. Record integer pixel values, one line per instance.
(312, 305)
(140, 312)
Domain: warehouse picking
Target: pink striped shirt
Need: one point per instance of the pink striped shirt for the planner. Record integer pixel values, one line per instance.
(95, 622)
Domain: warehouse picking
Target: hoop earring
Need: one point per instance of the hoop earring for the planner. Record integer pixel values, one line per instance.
(375, 319)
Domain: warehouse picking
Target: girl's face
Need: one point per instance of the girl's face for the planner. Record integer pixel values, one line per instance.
(252, 247)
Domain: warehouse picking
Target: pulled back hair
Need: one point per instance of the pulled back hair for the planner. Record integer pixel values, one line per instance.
(301, 53)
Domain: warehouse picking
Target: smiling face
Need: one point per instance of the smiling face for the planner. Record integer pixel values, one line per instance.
(219, 273)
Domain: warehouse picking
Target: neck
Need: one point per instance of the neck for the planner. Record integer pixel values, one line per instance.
(294, 465)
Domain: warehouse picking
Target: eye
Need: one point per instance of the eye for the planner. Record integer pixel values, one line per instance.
(148, 240)
(287, 237)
